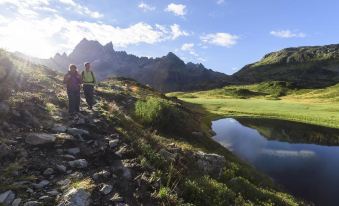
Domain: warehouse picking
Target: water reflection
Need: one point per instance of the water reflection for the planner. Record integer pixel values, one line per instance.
(309, 171)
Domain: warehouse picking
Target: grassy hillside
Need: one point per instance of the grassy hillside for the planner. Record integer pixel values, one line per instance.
(125, 142)
(307, 67)
(280, 100)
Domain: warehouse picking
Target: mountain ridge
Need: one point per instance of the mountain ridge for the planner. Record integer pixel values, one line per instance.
(167, 73)
(306, 66)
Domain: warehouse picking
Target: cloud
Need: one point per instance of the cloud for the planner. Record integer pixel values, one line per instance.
(35, 36)
(26, 7)
(189, 47)
(83, 10)
(220, 1)
(146, 7)
(287, 34)
(177, 9)
(31, 8)
(220, 39)
(177, 32)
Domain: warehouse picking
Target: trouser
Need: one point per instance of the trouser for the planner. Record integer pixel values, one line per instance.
(73, 100)
(89, 94)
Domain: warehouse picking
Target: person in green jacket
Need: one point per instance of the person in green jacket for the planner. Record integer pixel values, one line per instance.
(88, 79)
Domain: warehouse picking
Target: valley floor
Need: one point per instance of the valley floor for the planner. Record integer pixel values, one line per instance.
(319, 106)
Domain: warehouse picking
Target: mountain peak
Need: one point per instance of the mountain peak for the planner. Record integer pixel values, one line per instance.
(172, 56)
(109, 47)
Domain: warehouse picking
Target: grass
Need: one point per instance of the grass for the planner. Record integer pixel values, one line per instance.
(86, 184)
(314, 106)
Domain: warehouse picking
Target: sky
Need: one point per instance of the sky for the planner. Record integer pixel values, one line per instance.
(224, 35)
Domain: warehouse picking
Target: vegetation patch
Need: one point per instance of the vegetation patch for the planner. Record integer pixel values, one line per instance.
(161, 114)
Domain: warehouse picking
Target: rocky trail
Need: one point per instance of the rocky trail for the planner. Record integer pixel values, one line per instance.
(82, 152)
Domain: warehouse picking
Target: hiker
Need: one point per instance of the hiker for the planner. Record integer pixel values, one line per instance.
(73, 82)
(89, 81)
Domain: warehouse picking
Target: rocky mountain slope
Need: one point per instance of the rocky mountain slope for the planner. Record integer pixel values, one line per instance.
(118, 154)
(168, 73)
(307, 67)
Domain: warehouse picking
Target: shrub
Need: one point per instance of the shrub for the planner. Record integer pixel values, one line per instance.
(207, 191)
(161, 114)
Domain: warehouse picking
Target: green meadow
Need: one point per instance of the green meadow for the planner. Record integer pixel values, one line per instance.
(277, 100)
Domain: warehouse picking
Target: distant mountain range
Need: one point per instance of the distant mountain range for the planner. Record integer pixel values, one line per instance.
(168, 73)
(306, 67)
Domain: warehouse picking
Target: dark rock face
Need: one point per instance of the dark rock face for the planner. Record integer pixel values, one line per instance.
(168, 73)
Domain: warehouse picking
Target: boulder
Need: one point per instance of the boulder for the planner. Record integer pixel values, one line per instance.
(73, 151)
(80, 163)
(4, 108)
(103, 174)
(61, 168)
(211, 164)
(113, 143)
(41, 184)
(7, 197)
(48, 171)
(32, 203)
(4, 150)
(59, 128)
(76, 197)
(106, 189)
(77, 132)
(16, 202)
(39, 138)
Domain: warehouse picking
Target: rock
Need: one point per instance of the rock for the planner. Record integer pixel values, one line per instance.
(113, 143)
(41, 184)
(64, 136)
(4, 150)
(68, 156)
(80, 163)
(59, 128)
(61, 168)
(64, 182)
(7, 197)
(116, 198)
(73, 151)
(77, 132)
(76, 197)
(16, 113)
(53, 192)
(16, 202)
(210, 163)
(32, 203)
(106, 189)
(48, 172)
(76, 175)
(29, 190)
(100, 174)
(4, 108)
(45, 198)
(40, 138)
